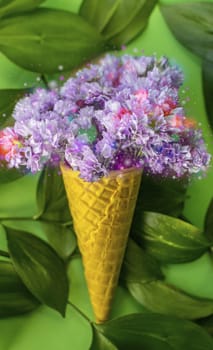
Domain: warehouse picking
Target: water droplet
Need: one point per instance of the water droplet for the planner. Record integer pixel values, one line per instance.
(53, 84)
(60, 67)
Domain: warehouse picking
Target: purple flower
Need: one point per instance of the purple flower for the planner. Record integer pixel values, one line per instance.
(119, 113)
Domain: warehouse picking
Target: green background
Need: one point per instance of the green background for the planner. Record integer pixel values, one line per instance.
(44, 328)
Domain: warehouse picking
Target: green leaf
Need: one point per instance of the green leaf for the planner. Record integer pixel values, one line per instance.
(153, 331)
(100, 342)
(138, 266)
(61, 238)
(209, 221)
(122, 17)
(9, 175)
(192, 25)
(98, 13)
(136, 26)
(8, 99)
(120, 21)
(161, 297)
(15, 299)
(40, 268)
(164, 196)
(168, 239)
(51, 197)
(47, 41)
(207, 76)
(10, 7)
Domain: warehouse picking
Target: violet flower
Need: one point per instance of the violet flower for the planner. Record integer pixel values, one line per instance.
(119, 113)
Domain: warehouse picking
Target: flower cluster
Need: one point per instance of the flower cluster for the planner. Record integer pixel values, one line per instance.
(122, 112)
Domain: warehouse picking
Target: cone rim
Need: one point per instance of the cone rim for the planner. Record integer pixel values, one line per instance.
(111, 174)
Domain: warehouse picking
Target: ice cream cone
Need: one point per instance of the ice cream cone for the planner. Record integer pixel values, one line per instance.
(102, 213)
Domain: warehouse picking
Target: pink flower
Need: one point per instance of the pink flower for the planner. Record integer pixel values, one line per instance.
(141, 95)
(9, 143)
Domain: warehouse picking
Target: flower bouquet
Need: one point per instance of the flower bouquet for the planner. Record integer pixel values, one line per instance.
(105, 126)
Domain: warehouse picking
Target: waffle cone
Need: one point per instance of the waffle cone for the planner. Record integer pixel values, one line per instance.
(102, 213)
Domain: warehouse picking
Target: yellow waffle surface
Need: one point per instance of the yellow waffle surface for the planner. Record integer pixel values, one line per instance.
(102, 212)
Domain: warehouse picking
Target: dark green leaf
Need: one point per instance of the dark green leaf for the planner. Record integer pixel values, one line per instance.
(207, 323)
(100, 342)
(8, 99)
(192, 25)
(168, 239)
(98, 13)
(209, 221)
(9, 175)
(61, 238)
(138, 266)
(153, 331)
(51, 197)
(48, 40)
(10, 7)
(136, 26)
(164, 196)
(15, 299)
(158, 296)
(207, 76)
(40, 268)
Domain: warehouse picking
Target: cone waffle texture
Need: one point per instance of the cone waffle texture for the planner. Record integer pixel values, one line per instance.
(102, 213)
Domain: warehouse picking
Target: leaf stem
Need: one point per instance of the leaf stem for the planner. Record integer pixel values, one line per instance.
(18, 218)
(79, 311)
(43, 78)
(32, 218)
(5, 254)
(68, 223)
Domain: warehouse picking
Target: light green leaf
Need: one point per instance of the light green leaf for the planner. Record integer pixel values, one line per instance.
(158, 296)
(192, 25)
(153, 331)
(207, 77)
(138, 266)
(47, 41)
(51, 197)
(15, 299)
(168, 239)
(98, 13)
(10, 7)
(8, 99)
(136, 26)
(100, 342)
(40, 268)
